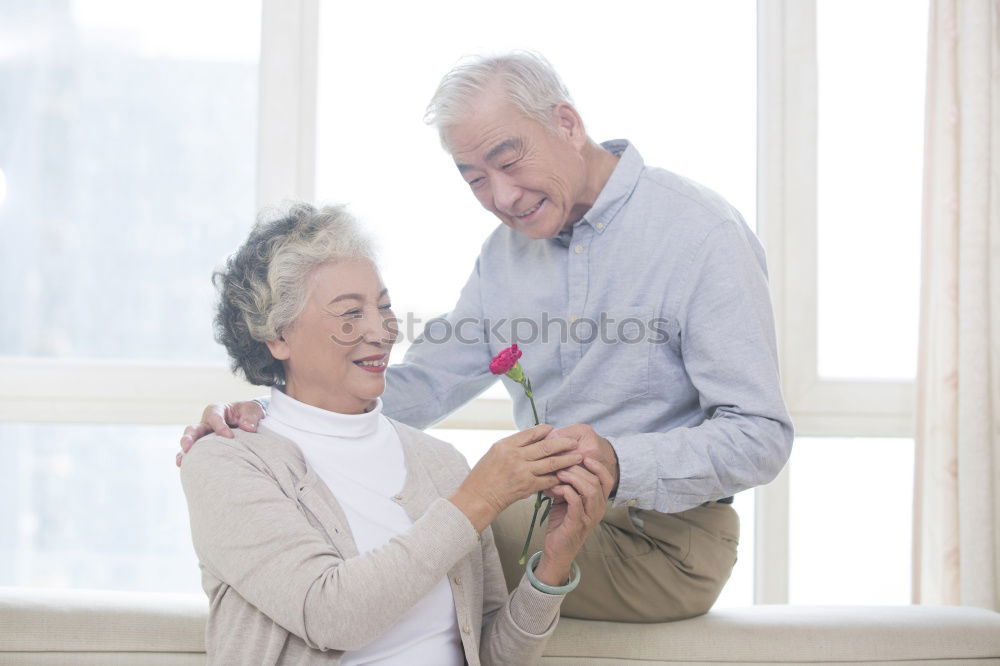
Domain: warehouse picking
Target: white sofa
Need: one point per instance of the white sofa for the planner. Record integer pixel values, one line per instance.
(77, 627)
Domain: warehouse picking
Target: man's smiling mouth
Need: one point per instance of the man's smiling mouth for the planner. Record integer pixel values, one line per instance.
(531, 211)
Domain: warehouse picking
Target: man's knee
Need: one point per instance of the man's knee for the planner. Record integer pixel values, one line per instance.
(659, 567)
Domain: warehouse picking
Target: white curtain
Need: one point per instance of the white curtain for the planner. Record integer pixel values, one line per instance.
(957, 490)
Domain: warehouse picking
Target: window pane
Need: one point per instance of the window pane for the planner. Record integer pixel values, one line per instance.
(851, 516)
(739, 590)
(127, 143)
(871, 114)
(375, 153)
(94, 507)
(473, 444)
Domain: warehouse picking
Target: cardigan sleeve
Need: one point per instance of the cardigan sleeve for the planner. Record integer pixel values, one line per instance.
(250, 534)
(516, 626)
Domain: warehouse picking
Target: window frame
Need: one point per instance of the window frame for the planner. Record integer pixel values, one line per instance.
(119, 391)
(127, 392)
(787, 108)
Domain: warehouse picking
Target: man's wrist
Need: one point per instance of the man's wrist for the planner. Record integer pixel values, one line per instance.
(262, 403)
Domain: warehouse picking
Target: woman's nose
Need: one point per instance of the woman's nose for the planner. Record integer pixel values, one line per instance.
(379, 328)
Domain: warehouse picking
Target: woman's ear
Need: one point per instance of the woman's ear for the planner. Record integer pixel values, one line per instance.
(279, 348)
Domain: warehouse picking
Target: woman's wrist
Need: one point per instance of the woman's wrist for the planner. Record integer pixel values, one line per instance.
(479, 512)
(567, 583)
(552, 571)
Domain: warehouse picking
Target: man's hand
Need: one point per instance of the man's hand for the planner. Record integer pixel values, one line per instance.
(591, 445)
(217, 419)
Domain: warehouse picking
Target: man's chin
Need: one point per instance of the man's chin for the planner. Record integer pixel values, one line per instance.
(533, 230)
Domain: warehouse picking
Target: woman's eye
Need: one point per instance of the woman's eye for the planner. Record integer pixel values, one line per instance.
(387, 306)
(352, 313)
(475, 181)
(508, 165)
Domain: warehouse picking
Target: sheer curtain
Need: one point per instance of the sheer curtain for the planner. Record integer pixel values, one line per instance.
(957, 489)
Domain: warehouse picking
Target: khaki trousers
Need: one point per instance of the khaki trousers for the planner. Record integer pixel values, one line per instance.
(636, 566)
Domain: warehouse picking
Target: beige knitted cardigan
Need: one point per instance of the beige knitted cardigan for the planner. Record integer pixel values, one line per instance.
(282, 572)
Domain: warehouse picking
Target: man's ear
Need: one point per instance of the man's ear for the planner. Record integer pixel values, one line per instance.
(569, 124)
(279, 348)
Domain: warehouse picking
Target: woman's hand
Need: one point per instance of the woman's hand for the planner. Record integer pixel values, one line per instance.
(512, 469)
(577, 508)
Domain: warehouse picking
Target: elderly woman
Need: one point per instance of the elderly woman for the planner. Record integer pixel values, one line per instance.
(334, 535)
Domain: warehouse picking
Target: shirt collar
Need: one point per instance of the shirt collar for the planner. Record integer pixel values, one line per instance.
(307, 418)
(615, 192)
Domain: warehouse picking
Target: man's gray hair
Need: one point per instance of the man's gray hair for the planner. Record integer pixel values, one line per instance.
(526, 79)
(264, 287)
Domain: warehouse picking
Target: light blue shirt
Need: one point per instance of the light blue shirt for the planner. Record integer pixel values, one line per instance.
(694, 408)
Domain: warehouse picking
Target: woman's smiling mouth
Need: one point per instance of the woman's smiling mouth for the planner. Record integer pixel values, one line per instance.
(373, 363)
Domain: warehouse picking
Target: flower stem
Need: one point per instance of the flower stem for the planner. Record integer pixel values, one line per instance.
(531, 397)
(531, 528)
(526, 384)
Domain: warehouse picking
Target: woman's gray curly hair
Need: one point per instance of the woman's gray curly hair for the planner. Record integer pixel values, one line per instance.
(264, 285)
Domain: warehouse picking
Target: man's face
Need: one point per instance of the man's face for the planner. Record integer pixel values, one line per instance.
(530, 176)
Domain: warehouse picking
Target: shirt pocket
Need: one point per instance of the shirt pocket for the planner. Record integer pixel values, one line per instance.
(616, 364)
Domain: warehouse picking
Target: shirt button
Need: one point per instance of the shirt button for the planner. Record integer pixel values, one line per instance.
(600, 226)
(631, 502)
(458, 580)
(578, 249)
(465, 629)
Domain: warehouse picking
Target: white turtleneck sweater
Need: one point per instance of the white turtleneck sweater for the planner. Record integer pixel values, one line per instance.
(360, 458)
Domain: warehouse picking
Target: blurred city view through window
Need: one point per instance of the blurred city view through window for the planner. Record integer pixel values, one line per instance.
(127, 146)
(129, 155)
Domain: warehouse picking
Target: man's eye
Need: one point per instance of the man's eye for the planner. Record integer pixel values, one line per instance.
(475, 181)
(352, 313)
(508, 165)
(387, 306)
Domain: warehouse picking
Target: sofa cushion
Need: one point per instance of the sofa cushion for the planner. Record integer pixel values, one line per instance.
(87, 627)
(39, 620)
(786, 634)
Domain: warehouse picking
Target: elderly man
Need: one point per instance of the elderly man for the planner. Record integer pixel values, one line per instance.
(653, 344)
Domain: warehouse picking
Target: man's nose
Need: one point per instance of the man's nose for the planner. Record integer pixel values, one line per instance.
(505, 194)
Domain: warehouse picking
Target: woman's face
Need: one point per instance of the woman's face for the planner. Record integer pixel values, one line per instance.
(336, 352)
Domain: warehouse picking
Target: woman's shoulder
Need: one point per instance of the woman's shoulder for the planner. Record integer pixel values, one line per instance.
(246, 452)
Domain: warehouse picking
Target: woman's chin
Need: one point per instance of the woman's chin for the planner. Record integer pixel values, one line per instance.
(374, 389)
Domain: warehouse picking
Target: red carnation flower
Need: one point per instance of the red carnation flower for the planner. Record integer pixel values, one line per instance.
(505, 361)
